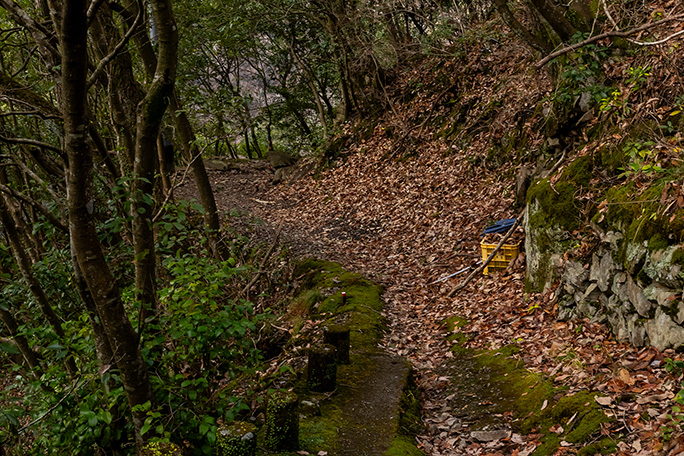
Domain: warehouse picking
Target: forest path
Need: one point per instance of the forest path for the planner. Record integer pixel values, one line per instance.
(403, 226)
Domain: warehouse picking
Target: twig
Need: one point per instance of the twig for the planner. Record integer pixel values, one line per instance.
(453, 275)
(611, 34)
(489, 258)
(263, 262)
(175, 185)
(51, 409)
(639, 43)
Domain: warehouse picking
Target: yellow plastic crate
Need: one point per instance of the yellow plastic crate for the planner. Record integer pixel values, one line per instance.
(502, 259)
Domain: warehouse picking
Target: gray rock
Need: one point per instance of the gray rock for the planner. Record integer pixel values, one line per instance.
(611, 238)
(280, 159)
(665, 297)
(636, 296)
(635, 255)
(659, 267)
(490, 436)
(619, 287)
(575, 275)
(585, 101)
(606, 272)
(216, 164)
(663, 332)
(595, 268)
(679, 319)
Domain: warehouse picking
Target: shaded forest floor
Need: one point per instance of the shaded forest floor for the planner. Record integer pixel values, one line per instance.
(405, 204)
(406, 224)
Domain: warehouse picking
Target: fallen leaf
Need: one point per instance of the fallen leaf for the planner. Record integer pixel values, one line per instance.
(603, 400)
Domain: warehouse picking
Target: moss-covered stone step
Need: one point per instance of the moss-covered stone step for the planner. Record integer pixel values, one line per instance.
(375, 408)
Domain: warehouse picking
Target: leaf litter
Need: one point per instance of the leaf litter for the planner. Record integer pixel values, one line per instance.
(408, 222)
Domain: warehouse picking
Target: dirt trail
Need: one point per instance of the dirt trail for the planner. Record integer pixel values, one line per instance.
(404, 224)
(366, 232)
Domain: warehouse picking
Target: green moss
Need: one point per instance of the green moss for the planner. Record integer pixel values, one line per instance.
(403, 446)
(499, 378)
(612, 159)
(282, 422)
(678, 257)
(453, 323)
(362, 308)
(161, 448)
(231, 439)
(580, 171)
(319, 433)
(557, 205)
(578, 415)
(604, 446)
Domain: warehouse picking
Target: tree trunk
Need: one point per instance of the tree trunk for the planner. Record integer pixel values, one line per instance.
(24, 265)
(85, 242)
(187, 139)
(150, 113)
(555, 16)
(517, 28)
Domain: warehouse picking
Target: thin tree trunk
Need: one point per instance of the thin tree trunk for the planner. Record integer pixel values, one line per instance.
(187, 139)
(314, 91)
(257, 148)
(150, 114)
(191, 154)
(24, 265)
(22, 344)
(85, 242)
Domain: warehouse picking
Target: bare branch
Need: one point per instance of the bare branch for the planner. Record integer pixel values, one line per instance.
(93, 9)
(638, 43)
(31, 142)
(42, 209)
(28, 113)
(611, 34)
(112, 55)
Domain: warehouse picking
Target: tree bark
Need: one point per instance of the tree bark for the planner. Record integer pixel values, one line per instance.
(150, 114)
(187, 140)
(517, 28)
(85, 242)
(555, 16)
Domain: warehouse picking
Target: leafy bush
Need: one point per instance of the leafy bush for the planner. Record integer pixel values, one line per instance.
(198, 343)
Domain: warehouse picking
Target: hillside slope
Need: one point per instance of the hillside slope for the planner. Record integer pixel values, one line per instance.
(405, 200)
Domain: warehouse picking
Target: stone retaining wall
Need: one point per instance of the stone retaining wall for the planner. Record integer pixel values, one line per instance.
(640, 298)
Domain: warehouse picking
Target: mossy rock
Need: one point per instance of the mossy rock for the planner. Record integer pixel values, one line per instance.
(361, 309)
(499, 379)
(236, 439)
(557, 205)
(161, 448)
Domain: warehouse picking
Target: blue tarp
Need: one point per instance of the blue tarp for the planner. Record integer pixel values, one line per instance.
(502, 226)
